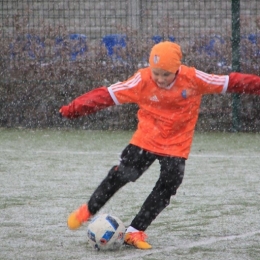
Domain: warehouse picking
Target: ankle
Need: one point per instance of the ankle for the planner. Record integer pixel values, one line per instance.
(131, 229)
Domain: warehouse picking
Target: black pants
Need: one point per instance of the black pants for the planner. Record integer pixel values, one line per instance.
(134, 162)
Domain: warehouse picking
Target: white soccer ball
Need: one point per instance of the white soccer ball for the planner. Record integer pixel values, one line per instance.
(106, 232)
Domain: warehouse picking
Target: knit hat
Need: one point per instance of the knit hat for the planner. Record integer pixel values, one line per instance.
(166, 55)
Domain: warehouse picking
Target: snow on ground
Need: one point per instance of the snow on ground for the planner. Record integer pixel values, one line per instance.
(46, 174)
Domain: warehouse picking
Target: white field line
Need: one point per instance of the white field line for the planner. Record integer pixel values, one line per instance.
(111, 153)
(138, 253)
(225, 156)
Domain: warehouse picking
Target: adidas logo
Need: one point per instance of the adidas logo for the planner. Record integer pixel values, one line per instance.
(154, 98)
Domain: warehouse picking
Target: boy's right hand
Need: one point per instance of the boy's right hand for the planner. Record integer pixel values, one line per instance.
(64, 111)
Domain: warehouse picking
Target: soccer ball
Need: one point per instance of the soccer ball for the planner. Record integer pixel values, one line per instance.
(106, 232)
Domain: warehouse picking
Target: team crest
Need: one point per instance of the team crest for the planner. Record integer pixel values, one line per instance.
(156, 59)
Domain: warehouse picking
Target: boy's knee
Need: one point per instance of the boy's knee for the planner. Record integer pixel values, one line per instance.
(123, 174)
(175, 183)
(169, 183)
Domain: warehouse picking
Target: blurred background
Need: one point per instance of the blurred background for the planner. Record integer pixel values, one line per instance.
(55, 50)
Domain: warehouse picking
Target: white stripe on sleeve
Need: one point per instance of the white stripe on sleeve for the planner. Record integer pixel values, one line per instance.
(113, 96)
(127, 84)
(224, 90)
(211, 79)
(123, 86)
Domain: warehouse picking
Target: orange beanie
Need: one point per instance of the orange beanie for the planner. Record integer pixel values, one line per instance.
(166, 55)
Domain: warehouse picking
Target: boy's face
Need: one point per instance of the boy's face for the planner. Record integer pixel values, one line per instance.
(162, 77)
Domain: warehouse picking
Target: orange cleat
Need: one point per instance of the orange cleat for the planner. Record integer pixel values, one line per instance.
(78, 217)
(137, 239)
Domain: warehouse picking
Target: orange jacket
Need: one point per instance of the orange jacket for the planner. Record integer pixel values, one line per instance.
(167, 118)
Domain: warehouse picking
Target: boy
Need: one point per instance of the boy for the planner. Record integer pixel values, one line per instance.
(168, 95)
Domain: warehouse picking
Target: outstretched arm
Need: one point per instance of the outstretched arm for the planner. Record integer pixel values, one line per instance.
(243, 83)
(88, 103)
